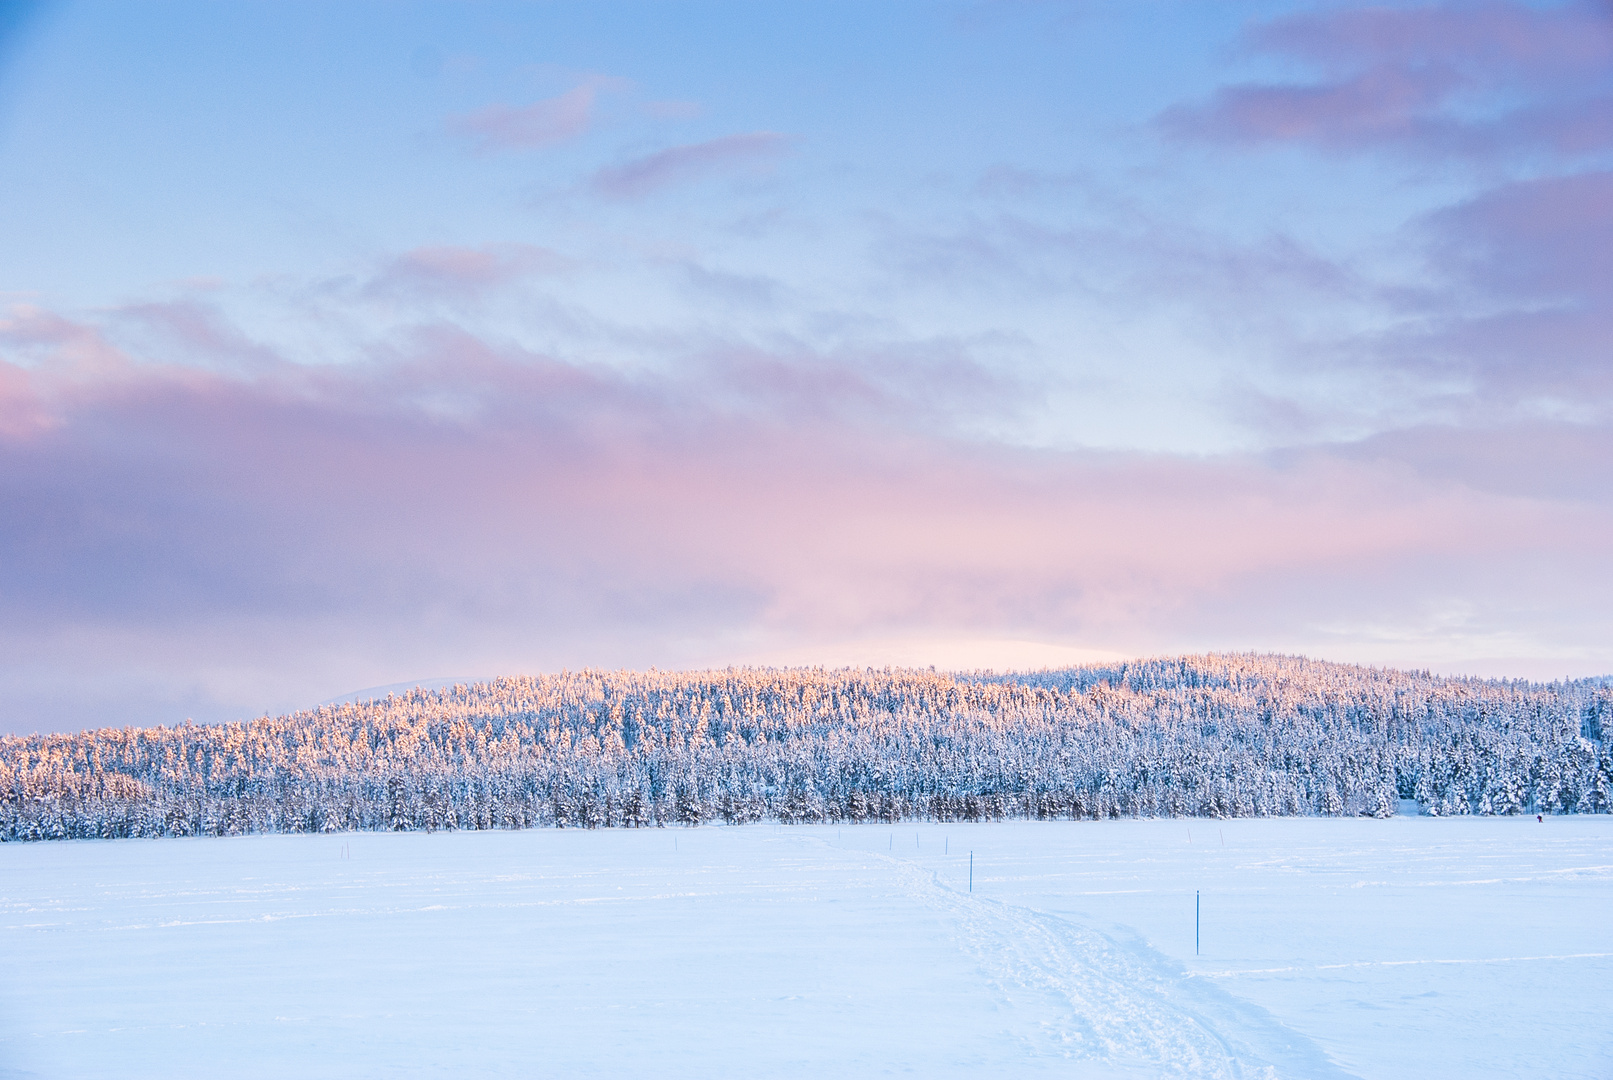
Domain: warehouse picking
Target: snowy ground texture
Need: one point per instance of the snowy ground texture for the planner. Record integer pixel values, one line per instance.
(1331, 948)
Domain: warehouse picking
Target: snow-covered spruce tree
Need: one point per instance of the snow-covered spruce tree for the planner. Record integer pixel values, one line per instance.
(1221, 735)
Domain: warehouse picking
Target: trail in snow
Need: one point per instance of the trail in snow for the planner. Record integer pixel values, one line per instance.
(1457, 948)
(1115, 1006)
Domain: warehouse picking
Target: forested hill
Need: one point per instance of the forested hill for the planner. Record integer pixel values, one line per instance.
(1219, 735)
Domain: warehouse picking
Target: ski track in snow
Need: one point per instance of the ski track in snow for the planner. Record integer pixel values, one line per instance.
(1118, 1007)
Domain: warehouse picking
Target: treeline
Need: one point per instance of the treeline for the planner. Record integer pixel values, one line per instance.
(1219, 735)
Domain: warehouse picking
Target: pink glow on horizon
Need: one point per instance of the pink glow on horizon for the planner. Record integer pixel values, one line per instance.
(339, 490)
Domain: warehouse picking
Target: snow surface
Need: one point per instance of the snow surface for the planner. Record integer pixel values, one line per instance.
(1331, 948)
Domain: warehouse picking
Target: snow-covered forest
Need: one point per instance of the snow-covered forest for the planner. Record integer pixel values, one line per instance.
(1217, 735)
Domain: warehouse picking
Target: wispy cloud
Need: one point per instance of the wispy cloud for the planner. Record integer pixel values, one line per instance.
(679, 164)
(449, 271)
(1525, 307)
(529, 127)
(1468, 79)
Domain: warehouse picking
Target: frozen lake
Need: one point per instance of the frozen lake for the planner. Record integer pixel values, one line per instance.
(1330, 948)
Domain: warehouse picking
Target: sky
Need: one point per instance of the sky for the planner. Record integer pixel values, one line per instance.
(352, 345)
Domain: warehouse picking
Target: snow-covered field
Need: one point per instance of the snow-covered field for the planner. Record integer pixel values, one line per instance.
(1377, 949)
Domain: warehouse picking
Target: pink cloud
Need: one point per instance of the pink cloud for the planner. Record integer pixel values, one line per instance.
(1558, 41)
(468, 499)
(1383, 103)
(196, 332)
(529, 127)
(641, 176)
(22, 414)
(1472, 79)
(461, 271)
(27, 332)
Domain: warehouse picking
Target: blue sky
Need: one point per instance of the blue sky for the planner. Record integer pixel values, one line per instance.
(344, 345)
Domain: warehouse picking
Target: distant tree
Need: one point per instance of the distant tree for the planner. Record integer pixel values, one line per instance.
(1220, 735)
